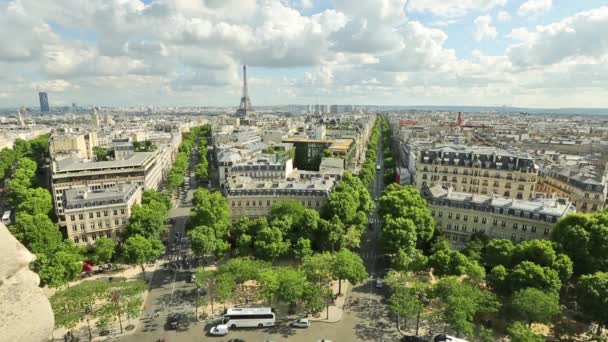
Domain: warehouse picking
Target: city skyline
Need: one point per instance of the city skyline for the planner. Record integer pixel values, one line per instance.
(534, 53)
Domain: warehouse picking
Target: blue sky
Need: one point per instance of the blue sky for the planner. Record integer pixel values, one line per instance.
(408, 52)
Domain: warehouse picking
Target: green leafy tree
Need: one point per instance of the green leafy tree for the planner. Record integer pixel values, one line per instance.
(123, 299)
(398, 234)
(564, 267)
(269, 284)
(528, 274)
(37, 232)
(243, 269)
(319, 267)
(225, 285)
(592, 297)
(138, 250)
(204, 242)
(533, 305)
(463, 301)
(147, 220)
(101, 154)
(150, 196)
(104, 250)
(518, 332)
(584, 238)
(206, 279)
(406, 202)
(314, 298)
(58, 268)
(269, 244)
(498, 252)
(348, 266)
(498, 279)
(36, 201)
(211, 209)
(291, 285)
(539, 252)
(302, 248)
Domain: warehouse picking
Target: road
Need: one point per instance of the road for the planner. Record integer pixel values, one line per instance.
(365, 317)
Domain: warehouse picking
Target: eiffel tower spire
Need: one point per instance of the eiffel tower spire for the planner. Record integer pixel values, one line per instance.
(245, 105)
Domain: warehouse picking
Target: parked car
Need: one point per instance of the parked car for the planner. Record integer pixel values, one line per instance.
(219, 330)
(301, 323)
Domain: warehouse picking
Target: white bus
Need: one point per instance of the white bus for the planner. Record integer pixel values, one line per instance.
(7, 217)
(249, 317)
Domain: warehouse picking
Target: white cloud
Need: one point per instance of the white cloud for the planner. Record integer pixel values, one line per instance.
(503, 16)
(533, 7)
(453, 8)
(583, 35)
(484, 28)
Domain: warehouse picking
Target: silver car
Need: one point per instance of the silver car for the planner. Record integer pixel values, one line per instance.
(301, 323)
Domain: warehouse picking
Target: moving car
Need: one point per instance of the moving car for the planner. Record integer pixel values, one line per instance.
(301, 323)
(378, 167)
(379, 283)
(219, 330)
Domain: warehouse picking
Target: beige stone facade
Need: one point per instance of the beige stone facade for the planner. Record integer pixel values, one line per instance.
(80, 144)
(477, 170)
(458, 215)
(254, 198)
(90, 215)
(586, 193)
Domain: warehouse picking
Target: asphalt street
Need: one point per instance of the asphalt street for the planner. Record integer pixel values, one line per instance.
(365, 317)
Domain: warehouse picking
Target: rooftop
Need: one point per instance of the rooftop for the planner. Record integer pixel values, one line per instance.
(72, 163)
(240, 183)
(82, 197)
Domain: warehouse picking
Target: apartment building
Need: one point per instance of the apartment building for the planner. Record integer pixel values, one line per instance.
(250, 197)
(477, 170)
(140, 168)
(62, 142)
(586, 191)
(459, 214)
(93, 214)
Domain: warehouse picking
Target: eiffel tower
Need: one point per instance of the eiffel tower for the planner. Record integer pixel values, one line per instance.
(245, 105)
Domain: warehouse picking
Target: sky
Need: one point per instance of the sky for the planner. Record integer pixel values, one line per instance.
(524, 53)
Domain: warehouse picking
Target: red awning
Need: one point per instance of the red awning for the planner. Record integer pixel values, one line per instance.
(86, 267)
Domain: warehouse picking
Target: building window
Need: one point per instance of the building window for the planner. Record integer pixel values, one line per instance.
(450, 215)
(82, 226)
(74, 228)
(268, 202)
(109, 235)
(494, 222)
(260, 202)
(116, 222)
(98, 214)
(99, 224)
(456, 227)
(520, 195)
(483, 220)
(94, 237)
(239, 204)
(107, 224)
(105, 213)
(247, 203)
(464, 228)
(253, 203)
(232, 203)
(90, 215)
(318, 204)
(515, 226)
(92, 226)
(309, 203)
(122, 211)
(465, 217)
(458, 216)
(449, 226)
(524, 227)
(546, 231)
(440, 214)
(80, 216)
(72, 218)
(507, 194)
(76, 239)
(503, 223)
(115, 212)
(533, 229)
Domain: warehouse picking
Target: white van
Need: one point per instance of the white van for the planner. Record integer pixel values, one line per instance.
(7, 217)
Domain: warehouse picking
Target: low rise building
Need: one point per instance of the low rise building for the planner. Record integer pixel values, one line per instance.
(93, 214)
(459, 214)
(250, 197)
(80, 144)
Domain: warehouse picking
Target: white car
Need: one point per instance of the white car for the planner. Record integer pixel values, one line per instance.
(301, 323)
(379, 283)
(219, 330)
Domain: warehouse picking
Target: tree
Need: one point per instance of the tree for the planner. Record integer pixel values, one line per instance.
(123, 298)
(518, 332)
(269, 284)
(592, 296)
(59, 267)
(539, 252)
(398, 234)
(348, 266)
(533, 305)
(584, 238)
(224, 287)
(150, 196)
(463, 301)
(302, 249)
(319, 267)
(498, 279)
(564, 267)
(211, 209)
(206, 278)
(147, 220)
(291, 285)
(36, 201)
(406, 202)
(104, 250)
(269, 243)
(409, 296)
(138, 250)
(204, 242)
(37, 233)
(101, 154)
(314, 298)
(498, 252)
(243, 269)
(528, 274)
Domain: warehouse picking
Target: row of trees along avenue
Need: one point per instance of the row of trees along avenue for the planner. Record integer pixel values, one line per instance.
(494, 280)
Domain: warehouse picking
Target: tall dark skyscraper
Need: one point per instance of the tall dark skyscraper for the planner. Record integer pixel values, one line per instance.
(44, 102)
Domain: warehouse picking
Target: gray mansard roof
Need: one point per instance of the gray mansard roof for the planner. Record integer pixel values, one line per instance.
(82, 197)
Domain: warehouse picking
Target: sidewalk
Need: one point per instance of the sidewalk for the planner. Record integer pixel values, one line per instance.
(333, 313)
